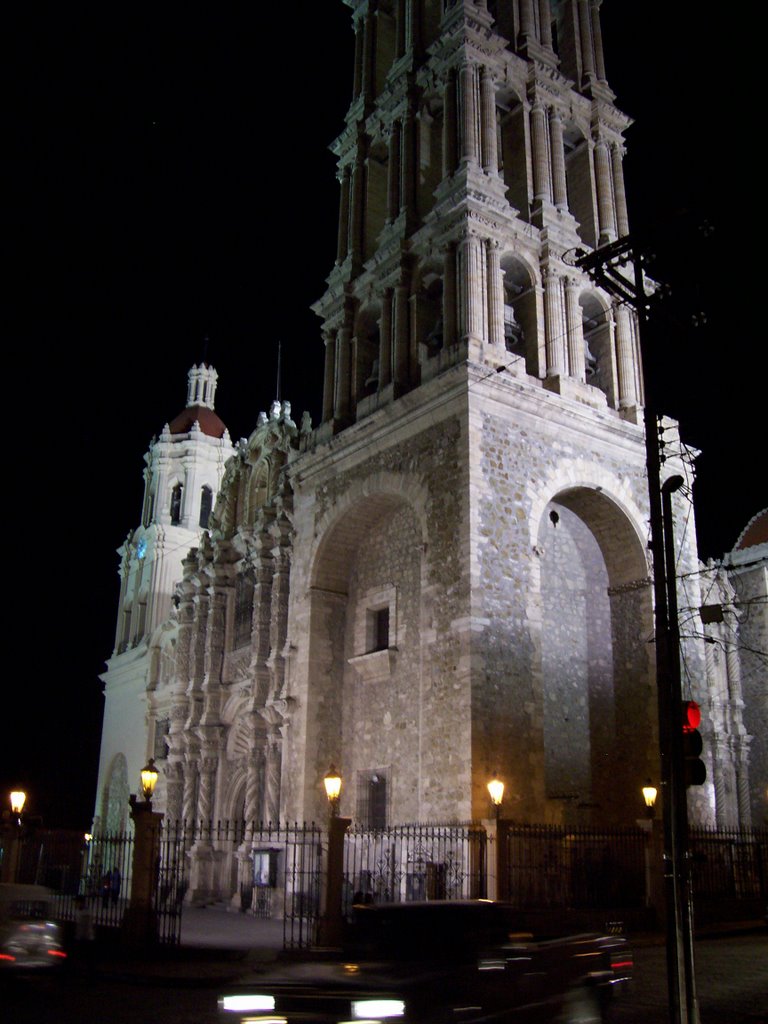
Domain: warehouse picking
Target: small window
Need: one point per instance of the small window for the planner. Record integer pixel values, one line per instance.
(372, 799)
(176, 505)
(206, 504)
(378, 624)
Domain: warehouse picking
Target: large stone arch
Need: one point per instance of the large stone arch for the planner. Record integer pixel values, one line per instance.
(362, 687)
(592, 600)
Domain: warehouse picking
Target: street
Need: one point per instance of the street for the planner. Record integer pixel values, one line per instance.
(732, 984)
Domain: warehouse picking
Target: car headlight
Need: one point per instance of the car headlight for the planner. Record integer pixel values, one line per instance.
(247, 1003)
(366, 1009)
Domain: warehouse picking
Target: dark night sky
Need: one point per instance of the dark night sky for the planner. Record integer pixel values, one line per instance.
(170, 180)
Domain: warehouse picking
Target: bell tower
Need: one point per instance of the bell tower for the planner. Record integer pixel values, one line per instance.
(183, 471)
(478, 479)
(482, 145)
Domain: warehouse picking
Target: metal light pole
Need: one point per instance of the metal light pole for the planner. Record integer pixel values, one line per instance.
(604, 266)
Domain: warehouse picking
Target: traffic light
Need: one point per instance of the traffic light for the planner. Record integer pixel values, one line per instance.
(694, 769)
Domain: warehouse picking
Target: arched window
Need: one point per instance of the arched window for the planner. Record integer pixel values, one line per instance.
(176, 504)
(206, 504)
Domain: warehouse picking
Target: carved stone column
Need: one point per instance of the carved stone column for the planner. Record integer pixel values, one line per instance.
(488, 111)
(393, 173)
(328, 374)
(401, 332)
(619, 192)
(471, 267)
(542, 189)
(450, 156)
(545, 24)
(495, 295)
(174, 791)
(385, 340)
(597, 38)
(274, 758)
(553, 323)
(575, 327)
(625, 363)
(341, 398)
(342, 241)
(189, 798)
(559, 187)
(468, 113)
(585, 33)
(450, 310)
(603, 178)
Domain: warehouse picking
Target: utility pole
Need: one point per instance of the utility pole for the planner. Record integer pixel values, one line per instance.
(604, 266)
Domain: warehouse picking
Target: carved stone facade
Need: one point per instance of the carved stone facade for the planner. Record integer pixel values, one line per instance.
(449, 576)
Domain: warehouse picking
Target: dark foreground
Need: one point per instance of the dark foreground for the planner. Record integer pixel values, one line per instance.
(732, 981)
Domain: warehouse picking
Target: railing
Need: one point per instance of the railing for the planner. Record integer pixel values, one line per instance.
(414, 862)
(556, 867)
(729, 863)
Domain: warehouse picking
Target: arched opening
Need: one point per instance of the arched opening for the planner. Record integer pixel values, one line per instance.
(175, 509)
(362, 714)
(520, 316)
(598, 706)
(206, 505)
(366, 341)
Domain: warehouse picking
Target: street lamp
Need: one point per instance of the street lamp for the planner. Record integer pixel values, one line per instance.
(149, 775)
(332, 783)
(18, 799)
(649, 795)
(496, 791)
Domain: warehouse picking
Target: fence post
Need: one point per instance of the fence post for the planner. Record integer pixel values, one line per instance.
(502, 859)
(140, 921)
(331, 921)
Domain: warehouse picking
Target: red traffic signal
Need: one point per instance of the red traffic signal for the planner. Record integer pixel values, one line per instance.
(694, 769)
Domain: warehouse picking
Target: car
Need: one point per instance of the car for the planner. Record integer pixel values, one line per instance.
(458, 961)
(30, 939)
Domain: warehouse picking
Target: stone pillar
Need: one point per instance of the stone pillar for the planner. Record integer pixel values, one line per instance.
(468, 113)
(401, 22)
(358, 69)
(328, 375)
(385, 340)
(527, 21)
(575, 327)
(393, 173)
(331, 924)
(450, 310)
(401, 334)
(488, 109)
(545, 24)
(342, 242)
(408, 168)
(542, 190)
(253, 790)
(189, 797)
(208, 766)
(597, 38)
(341, 398)
(585, 33)
(471, 275)
(140, 920)
(619, 192)
(174, 791)
(553, 323)
(495, 295)
(357, 200)
(559, 186)
(273, 769)
(450, 134)
(603, 178)
(625, 363)
(742, 784)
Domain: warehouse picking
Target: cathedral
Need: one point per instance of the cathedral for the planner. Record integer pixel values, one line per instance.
(448, 577)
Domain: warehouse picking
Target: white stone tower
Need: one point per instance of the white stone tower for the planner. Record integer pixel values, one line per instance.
(184, 468)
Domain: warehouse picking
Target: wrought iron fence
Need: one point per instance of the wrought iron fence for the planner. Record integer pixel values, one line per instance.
(729, 863)
(557, 867)
(414, 862)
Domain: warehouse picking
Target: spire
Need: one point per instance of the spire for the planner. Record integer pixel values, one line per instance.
(201, 386)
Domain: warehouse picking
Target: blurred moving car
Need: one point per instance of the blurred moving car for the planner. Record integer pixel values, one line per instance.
(438, 962)
(29, 937)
